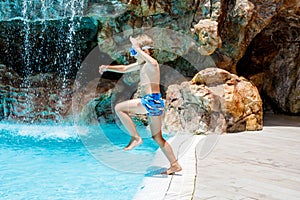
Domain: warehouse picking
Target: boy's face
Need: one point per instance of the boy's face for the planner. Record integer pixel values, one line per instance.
(139, 58)
(147, 51)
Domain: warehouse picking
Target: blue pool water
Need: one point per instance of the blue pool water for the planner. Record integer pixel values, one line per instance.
(53, 162)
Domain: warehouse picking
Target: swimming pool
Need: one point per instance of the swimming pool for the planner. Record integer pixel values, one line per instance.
(53, 162)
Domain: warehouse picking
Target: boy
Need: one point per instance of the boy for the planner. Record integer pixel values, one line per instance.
(151, 101)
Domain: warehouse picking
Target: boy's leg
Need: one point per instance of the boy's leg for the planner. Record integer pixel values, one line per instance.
(155, 127)
(122, 110)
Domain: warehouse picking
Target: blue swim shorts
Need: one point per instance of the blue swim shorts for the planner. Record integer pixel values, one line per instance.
(154, 104)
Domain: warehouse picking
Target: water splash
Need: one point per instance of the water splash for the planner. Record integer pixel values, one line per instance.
(45, 135)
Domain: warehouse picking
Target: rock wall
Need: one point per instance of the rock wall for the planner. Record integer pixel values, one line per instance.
(244, 37)
(272, 62)
(46, 100)
(257, 39)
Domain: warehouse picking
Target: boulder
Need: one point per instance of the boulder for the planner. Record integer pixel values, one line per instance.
(213, 101)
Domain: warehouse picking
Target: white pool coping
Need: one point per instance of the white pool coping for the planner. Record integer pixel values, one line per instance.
(156, 186)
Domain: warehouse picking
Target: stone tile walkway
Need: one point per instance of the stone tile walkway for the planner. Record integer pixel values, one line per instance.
(253, 165)
(157, 186)
(250, 165)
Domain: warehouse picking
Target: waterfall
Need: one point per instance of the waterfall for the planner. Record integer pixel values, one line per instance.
(42, 46)
(26, 84)
(77, 8)
(57, 52)
(73, 9)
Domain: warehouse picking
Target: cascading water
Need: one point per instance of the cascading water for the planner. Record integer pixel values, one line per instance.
(42, 45)
(27, 54)
(41, 52)
(45, 10)
(76, 7)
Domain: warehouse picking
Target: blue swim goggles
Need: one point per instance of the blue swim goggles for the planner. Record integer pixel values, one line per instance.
(133, 52)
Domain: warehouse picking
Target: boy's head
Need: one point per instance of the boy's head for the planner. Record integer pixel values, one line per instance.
(146, 44)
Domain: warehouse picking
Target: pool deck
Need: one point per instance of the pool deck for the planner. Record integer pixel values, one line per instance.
(249, 165)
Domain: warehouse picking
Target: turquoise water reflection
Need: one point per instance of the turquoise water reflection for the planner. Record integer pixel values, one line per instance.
(51, 162)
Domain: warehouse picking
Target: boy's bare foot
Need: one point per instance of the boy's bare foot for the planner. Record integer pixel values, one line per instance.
(175, 167)
(133, 143)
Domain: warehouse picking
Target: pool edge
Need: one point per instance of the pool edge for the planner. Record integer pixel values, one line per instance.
(178, 186)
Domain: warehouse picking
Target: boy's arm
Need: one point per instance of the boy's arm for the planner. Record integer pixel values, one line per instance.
(119, 68)
(143, 54)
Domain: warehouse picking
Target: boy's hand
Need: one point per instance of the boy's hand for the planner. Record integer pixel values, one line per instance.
(102, 69)
(134, 42)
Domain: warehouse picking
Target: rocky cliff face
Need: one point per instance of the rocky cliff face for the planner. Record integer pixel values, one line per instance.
(46, 100)
(257, 39)
(272, 61)
(254, 39)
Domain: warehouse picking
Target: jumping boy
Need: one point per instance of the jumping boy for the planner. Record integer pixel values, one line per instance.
(151, 101)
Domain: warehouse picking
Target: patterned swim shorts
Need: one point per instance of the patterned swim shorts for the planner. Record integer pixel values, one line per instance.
(154, 104)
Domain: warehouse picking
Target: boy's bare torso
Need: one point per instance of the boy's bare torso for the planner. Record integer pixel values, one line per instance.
(149, 79)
